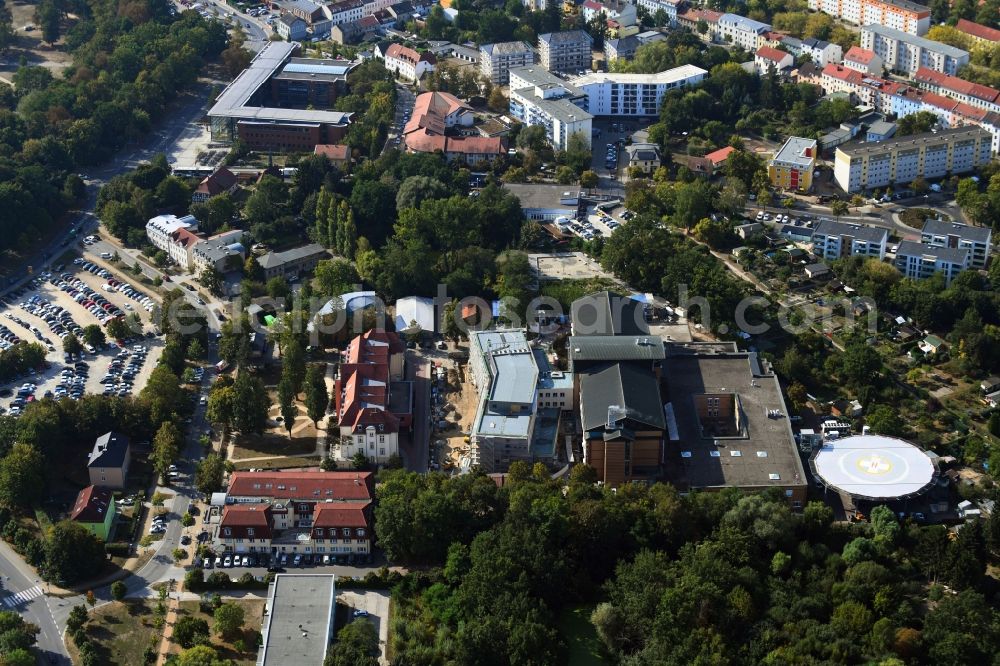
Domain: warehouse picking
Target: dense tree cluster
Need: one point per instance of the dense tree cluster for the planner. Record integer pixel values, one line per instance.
(129, 61)
(704, 578)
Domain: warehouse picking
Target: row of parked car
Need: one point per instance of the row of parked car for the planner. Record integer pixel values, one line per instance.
(275, 563)
(59, 321)
(116, 285)
(102, 309)
(122, 371)
(8, 338)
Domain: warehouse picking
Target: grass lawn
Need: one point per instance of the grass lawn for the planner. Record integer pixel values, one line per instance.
(253, 613)
(122, 631)
(581, 636)
(567, 291)
(283, 462)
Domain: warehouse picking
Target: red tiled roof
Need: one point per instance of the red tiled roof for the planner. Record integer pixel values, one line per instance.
(332, 151)
(858, 54)
(978, 31)
(591, 4)
(333, 514)
(717, 157)
(695, 15)
(185, 238)
(92, 505)
(955, 84)
(430, 110)
(218, 182)
(422, 142)
(363, 385)
(400, 52)
(237, 518)
(772, 54)
(303, 485)
(843, 73)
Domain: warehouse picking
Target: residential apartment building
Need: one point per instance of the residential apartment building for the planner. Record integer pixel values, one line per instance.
(632, 95)
(900, 15)
(291, 28)
(692, 17)
(373, 403)
(668, 7)
(437, 116)
(792, 166)
(863, 60)
(295, 512)
(567, 51)
(292, 263)
(407, 64)
(626, 47)
(821, 52)
(161, 230)
(223, 252)
(95, 510)
(496, 60)
(109, 461)
(833, 240)
(905, 52)
(918, 261)
(768, 59)
(967, 92)
(520, 400)
(980, 34)
(727, 422)
(644, 156)
(346, 11)
(902, 159)
(540, 98)
(741, 31)
(942, 234)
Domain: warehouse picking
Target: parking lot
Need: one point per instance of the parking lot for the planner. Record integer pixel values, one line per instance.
(63, 303)
(373, 607)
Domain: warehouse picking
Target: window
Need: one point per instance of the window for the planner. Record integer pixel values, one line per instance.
(319, 532)
(347, 532)
(381, 451)
(227, 531)
(361, 532)
(250, 531)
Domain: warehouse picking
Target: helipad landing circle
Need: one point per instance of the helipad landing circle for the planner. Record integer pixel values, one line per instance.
(874, 467)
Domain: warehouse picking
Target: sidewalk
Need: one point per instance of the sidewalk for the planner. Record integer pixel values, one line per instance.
(173, 605)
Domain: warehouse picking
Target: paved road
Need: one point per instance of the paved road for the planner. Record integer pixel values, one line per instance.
(21, 591)
(418, 371)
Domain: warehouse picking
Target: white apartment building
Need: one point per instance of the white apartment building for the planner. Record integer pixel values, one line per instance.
(669, 7)
(345, 11)
(496, 60)
(918, 261)
(942, 234)
(407, 63)
(741, 31)
(833, 240)
(906, 53)
(900, 15)
(613, 94)
(567, 51)
(900, 160)
(220, 252)
(973, 94)
(160, 229)
(540, 98)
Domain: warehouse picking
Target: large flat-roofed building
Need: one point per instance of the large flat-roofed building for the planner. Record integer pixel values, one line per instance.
(617, 94)
(544, 203)
(727, 423)
(833, 240)
(903, 15)
(903, 159)
(266, 105)
(906, 53)
(566, 51)
(605, 313)
(496, 60)
(299, 624)
(977, 240)
(540, 98)
(792, 166)
(918, 261)
(520, 400)
(293, 262)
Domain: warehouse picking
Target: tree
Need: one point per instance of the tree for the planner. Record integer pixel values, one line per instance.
(250, 404)
(286, 400)
(885, 420)
(211, 279)
(93, 335)
(588, 179)
(22, 476)
(220, 407)
(71, 344)
(335, 277)
(118, 329)
(189, 630)
(48, 17)
(195, 352)
(838, 208)
(359, 461)
(166, 447)
(201, 655)
(72, 553)
(356, 645)
(77, 618)
(228, 619)
(118, 590)
(317, 397)
(209, 473)
(975, 204)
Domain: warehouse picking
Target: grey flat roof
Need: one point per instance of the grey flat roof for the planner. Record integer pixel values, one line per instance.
(767, 447)
(566, 36)
(534, 75)
(793, 152)
(953, 255)
(623, 385)
(964, 231)
(274, 259)
(232, 102)
(881, 127)
(560, 108)
(534, 195)
(298, 604)
(506, 48)
(913, 141)
(922, 42)
(606, 313)
(615, 348)
(859, 231)
(513, 369)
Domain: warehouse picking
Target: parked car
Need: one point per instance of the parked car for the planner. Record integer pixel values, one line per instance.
(227, 562)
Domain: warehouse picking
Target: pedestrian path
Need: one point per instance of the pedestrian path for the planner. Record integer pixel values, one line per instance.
(15, 600)
(321, 448)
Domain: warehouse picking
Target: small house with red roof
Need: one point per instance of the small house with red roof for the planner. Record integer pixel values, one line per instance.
(338, 154)
(719, 157)
(863, 60)
(220, 181)
(94, 509)
(407, 63)
(767, 59)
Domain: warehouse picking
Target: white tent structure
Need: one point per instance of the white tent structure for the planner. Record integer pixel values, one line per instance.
(415, 314)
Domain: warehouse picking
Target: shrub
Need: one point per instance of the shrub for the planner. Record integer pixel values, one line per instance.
(194, 580)
(118, 549)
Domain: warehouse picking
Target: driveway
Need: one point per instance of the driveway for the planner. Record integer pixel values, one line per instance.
(377, 606)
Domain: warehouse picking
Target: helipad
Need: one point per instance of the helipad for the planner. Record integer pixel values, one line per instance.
(874, 467)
